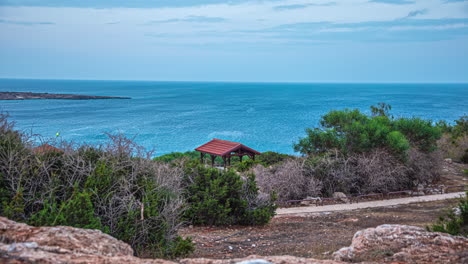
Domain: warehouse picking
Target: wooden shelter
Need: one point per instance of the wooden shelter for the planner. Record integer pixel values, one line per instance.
(46, 148)
(225, 149)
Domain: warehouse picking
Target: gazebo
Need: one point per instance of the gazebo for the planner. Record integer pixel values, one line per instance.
(225, 149)
(46, 148)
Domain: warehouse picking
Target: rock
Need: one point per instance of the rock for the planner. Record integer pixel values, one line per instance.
(310, 200)
(420, 188)
(449, 161)
(68, 239)
(404, 244)
(341, 196)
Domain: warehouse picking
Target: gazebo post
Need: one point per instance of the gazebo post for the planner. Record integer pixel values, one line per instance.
(229, 160)
(240, 158)
(212, 160)
(202, 155)
(224, 160)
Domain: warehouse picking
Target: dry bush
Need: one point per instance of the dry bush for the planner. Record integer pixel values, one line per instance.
(453, 148)
(378, 171)
(288, 180)
(424, 168)
(136, 199)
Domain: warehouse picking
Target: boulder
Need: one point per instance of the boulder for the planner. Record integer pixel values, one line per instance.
(65, 238)
(404, 244)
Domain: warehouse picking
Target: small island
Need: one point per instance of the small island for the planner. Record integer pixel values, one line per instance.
(30, 96)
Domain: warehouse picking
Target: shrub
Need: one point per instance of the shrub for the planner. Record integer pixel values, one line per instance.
(177, 155)
(269, 158)
(350, 131)
(289, 180)
(218, 197)
(464, 158)
(114, 188)
(78, 211)
(454, 223)
(245, 165)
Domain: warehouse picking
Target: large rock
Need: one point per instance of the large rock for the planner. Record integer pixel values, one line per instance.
(404, 244)
(67, 239)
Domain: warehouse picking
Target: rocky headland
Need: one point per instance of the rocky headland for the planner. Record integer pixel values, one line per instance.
(21, 243)
(30, 96)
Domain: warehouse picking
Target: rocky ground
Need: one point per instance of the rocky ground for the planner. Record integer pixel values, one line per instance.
(317, 235)
(21, 243)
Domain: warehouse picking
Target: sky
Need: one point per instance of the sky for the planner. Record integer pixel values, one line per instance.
(244, 40)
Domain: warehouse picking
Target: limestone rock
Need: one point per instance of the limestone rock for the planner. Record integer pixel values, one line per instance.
(404, 244)
(65, 238)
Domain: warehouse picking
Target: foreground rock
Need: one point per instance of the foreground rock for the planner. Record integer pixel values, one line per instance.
(28, 96)
(20, 243)
(404, 244)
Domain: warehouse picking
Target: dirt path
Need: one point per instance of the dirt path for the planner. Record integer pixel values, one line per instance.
(301, 211)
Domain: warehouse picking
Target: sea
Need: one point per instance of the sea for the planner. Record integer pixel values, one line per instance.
(180, 116)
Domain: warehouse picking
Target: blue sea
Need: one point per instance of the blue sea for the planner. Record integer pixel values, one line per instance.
(179, 116)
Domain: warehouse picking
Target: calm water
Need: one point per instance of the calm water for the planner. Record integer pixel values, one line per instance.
(179, 116)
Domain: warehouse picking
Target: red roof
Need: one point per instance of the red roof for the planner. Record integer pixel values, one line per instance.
(221, 147)
(45, 148)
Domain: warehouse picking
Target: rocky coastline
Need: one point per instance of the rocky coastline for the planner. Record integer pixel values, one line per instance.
(35, 96)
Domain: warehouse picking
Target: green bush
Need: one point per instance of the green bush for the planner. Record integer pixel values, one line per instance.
(269, 158)
(78, 211)
(452, 223)
(218, 197)
(350, 131)
(178, 155)
(246, 165)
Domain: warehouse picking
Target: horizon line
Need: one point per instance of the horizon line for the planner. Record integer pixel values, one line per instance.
(236, 81)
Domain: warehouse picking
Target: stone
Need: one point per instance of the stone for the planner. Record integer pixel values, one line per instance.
(404, 244)
(449, 161)
(341, 197)
(76, 240)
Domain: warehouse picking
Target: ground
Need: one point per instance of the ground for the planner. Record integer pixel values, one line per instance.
(316, 235)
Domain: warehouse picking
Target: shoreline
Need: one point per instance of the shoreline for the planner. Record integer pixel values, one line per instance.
(39, 96)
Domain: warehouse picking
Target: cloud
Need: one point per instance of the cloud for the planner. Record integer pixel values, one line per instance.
(116, 3)
(416, 13)
(25, 23)
(300, 6)
(394, 2)
(196, 19)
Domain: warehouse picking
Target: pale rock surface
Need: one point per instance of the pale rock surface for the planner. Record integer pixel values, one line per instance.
(405, 244)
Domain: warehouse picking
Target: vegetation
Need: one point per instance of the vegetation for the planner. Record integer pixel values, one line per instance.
(355, 153)
(116, 188)
(218, 198)
(350, 131)
(455, 222)
(454, 141)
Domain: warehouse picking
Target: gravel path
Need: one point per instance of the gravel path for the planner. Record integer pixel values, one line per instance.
(298, 211)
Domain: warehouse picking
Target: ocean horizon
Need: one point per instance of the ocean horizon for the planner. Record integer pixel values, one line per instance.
(179, 116)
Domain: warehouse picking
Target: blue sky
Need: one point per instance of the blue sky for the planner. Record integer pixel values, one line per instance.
(243, 40)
